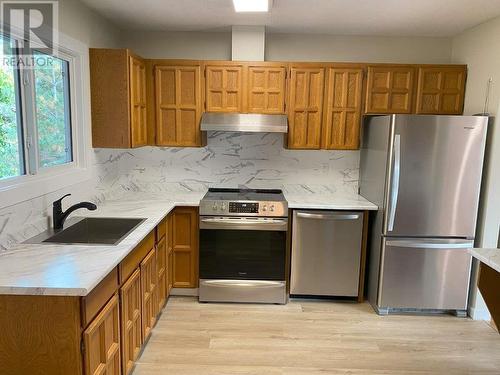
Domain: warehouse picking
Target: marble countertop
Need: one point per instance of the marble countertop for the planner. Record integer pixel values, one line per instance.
(74, 270)
(490, 257)
(328, 201)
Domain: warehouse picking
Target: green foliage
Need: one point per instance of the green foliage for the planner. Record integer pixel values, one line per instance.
(53, 141)
(9, 150)
(49, 94)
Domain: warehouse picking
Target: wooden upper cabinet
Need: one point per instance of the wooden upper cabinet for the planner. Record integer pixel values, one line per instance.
(118, 98)
(178, 105)
(224, 88)
(101, 341)
(343, 109)
(138, 115)
(390, 89)
(185, 247)
(441, 89)
(131, 323)
(266, 88)
(306, 88)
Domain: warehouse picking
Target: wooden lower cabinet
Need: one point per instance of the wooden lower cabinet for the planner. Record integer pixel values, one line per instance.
(99, 334)
(161, 266)
(131, 322)
(102, 342)
(148, 288)
(170, 255)
(489, 280)
(40, 335)
(185, 247)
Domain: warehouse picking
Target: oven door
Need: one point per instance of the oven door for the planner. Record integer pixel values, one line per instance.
(242, 248)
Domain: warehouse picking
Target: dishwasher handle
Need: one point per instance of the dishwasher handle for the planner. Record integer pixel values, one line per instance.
(333, 216)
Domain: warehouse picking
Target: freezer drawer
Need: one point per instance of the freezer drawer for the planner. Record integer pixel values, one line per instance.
(424, 274)
(326, 252)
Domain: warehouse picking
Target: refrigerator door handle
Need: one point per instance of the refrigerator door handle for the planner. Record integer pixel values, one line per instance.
(395, 181)
(423, 244)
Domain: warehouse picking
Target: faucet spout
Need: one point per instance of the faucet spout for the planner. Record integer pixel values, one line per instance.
(59, 217)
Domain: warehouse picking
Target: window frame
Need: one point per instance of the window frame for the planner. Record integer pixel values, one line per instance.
(21, 188)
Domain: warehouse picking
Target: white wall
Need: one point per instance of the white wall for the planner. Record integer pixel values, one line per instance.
(479, 48)
(292, 47)
(311, 47)
(79, 22)
(179, 45)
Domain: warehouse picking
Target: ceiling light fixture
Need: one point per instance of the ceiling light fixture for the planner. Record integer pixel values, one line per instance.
(251, 5)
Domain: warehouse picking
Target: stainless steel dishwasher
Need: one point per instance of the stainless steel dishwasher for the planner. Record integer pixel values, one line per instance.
(326, 253)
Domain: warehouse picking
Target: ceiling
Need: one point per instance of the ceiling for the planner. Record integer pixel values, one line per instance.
(442, 18)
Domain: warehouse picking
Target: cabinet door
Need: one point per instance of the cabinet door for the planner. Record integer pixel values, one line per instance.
(305, 110)
(441, 90)
(148, 289)
(102, 342)
(178, 105)
(161, 267)
(185, 247)
(138, 122)
(224, 88)
(389, 89)
(170, 254)
(131, 323)
(343, 109)
(266, 89)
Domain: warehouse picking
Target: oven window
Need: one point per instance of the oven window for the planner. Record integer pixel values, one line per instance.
(242, 254)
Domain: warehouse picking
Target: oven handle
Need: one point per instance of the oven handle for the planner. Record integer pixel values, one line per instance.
(244, 224)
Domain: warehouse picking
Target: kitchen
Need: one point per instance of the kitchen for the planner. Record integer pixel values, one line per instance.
(234, 154)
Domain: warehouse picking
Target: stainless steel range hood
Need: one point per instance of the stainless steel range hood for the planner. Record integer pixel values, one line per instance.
(244, 122)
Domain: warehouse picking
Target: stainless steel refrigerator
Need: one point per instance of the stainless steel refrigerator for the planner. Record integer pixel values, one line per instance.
(424, 173)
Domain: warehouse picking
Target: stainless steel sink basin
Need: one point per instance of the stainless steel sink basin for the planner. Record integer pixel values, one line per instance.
(91, 230)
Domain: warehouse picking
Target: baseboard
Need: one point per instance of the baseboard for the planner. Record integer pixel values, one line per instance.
(479, 314)
(193, 292)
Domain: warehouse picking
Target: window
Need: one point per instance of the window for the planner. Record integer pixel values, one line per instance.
(44, 118)
(11, 135)
(35, 113)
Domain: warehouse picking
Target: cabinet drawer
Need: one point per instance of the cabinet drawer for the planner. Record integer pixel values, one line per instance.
(161, 229)
(134, 259)
(97, 298)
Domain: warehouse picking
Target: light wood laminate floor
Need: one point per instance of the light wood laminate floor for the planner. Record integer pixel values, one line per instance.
(313, 338)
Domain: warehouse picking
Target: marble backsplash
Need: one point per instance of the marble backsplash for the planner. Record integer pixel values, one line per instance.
(254, 160)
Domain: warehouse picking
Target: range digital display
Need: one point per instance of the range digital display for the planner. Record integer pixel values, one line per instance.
(246, 208)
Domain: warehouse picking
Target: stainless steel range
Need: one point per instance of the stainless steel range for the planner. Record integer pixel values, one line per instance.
(243, 235)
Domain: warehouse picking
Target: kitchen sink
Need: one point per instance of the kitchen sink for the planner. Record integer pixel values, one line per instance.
(91, 230)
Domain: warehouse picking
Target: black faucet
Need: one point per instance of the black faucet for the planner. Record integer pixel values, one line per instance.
(58, 216)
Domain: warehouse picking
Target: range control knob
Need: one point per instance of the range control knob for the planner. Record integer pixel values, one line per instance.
(264, 208)
(271, 208)
(223, 207)
(214, 207)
